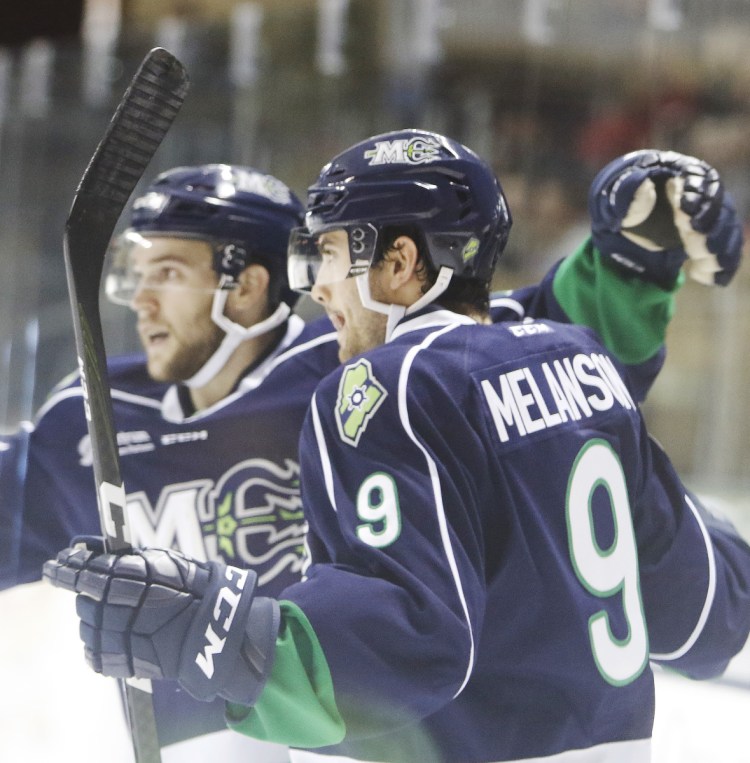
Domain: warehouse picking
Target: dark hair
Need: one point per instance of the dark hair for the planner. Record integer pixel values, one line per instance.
(463, 295)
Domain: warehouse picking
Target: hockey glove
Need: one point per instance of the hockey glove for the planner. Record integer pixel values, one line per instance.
(653, 211)
(158, 614)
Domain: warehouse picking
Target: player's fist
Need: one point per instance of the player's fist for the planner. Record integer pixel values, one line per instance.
(653, 211)
(156, 613)
(707, 220)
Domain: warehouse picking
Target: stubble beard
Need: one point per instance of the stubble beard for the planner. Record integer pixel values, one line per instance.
(186, 360)
(369, 334)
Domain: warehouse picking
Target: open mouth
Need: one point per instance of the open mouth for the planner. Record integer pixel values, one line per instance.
(153, 337)
(337, 320)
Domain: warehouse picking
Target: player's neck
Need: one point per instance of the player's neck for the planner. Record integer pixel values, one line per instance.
(245, 357)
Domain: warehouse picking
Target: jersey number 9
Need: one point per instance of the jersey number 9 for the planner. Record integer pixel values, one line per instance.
(607, 572)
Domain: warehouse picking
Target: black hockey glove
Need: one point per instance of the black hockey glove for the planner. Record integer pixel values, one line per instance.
(157, 614)
(653, 211)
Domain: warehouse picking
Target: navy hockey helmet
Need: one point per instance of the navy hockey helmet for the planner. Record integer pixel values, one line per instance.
(415, 178)
(246, 215)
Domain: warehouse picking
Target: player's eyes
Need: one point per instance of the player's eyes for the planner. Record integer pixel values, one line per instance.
(166, 275)
(159, 277)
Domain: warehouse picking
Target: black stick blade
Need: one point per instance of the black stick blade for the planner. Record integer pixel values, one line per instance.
(142, 119)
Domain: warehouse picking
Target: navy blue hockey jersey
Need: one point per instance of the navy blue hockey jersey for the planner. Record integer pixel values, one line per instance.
(224, 483)
(498, 549)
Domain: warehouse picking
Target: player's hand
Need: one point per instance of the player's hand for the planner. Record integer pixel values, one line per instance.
(158, 614)
(654, 211)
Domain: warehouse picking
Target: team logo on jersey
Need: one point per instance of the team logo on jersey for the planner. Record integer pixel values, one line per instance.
(360, 396)
(250, 517)
(403, 151)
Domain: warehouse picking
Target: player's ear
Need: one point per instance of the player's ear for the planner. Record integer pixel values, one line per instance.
(252, 284)
(403, 259)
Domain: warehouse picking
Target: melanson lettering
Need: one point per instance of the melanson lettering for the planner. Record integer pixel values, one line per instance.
(533, 398)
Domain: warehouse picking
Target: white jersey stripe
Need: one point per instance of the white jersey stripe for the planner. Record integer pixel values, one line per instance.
(325, 460)
(403, 384)
(70, 392)
(510, 303)
(710, 592)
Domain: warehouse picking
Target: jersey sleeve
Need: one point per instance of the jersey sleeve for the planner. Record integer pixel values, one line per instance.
(700, 627)
(46, 493)
(401, 588)
(630, 316)
(13, 460)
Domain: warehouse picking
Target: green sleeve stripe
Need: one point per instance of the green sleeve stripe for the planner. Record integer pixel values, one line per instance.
(297, 706)
(630, 315)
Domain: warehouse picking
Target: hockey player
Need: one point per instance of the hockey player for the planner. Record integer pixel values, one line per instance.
(203, 266)
(497, 548)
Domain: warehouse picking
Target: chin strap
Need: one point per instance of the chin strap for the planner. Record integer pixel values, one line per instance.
(234, 336)
(396, 312)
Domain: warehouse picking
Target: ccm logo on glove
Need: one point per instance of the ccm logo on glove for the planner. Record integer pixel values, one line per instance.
(225, 608)
(155, 613)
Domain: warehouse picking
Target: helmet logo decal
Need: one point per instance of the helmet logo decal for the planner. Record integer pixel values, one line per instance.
(266, 186)
(403, 151)
(471, 249)
(360, 396)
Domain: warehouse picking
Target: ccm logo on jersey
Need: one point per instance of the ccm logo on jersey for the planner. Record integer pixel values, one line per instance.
(175, 438)
(529, 329)
(224, 611)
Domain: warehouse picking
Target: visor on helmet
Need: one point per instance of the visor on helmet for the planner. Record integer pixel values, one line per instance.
(123, 280)
(309, 263)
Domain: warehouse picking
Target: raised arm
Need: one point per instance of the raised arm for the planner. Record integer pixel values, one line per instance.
(655, 216)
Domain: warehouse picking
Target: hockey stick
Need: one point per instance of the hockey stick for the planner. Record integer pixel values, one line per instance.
(142, 119)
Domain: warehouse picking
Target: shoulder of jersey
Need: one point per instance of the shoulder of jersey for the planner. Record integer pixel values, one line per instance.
(318, 328)
(507, 306)
(128, 379)
(379, 369)
(129, 373)
(315, 347)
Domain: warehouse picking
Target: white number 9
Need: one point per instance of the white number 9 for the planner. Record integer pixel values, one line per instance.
(610, 571)
(377, 505)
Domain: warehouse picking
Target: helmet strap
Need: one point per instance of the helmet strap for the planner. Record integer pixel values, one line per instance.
(396, 312)
(235, 334)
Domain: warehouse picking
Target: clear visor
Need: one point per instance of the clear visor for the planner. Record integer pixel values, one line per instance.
(329, 255)
(125, 277)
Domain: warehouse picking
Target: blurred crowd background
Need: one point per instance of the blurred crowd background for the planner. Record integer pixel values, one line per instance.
(548, 90)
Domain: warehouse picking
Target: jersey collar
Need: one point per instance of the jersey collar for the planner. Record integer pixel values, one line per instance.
(431, 316)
